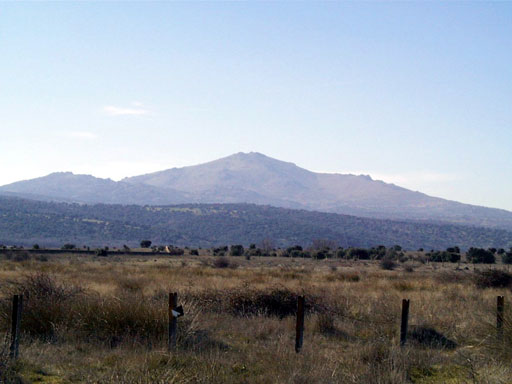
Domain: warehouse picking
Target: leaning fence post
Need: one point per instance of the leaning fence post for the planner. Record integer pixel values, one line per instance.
(299, 329)
(17, 306)
(500, 306)
(173, 321)
(405, 321)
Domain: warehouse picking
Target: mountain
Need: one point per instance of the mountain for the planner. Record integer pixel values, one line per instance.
(258, 179)
(25, 222)
(66, 186)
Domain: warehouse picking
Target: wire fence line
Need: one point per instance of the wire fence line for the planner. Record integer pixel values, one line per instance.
(176, 310)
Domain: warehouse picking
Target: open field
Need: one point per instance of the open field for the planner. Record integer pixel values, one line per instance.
(104, 320)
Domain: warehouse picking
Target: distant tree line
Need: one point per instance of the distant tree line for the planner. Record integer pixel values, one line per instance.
(210, 225)
(319, 250)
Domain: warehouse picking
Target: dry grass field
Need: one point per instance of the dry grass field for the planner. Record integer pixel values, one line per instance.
(104, 320)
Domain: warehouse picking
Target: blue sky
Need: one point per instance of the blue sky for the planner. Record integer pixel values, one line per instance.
(418, 94)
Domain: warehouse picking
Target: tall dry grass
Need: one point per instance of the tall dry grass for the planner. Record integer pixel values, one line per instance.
(105, 321)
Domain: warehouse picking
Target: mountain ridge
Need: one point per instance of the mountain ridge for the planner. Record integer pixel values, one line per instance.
(259, 179)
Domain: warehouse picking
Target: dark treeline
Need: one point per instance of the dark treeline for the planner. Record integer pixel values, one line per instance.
(25, 222)
(319, 250)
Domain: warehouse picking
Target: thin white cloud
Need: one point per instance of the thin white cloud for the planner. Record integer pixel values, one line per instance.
(136, 110)
(81, 135)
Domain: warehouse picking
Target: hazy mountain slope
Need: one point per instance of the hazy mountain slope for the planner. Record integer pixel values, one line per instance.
(66, 186)
(27, 222)
(240, 177)
(255, 178)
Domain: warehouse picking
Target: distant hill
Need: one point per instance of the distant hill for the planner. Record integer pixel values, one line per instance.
(68, 187)
(25, 222)
(258, 179)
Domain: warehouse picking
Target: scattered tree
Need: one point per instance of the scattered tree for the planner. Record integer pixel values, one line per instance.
(480, 256)
(238, 250)
(145, 243)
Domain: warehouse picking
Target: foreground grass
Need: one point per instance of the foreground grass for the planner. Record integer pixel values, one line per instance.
(103, 320)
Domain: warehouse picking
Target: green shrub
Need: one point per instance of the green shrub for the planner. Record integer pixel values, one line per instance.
(295, 251)
(377, 253)
(254, 252)
(358, 254)
(101, 252)
(220, 251)
(444, 256)
(340, 253)
(145, 243)
(236, 250)
(175, 251)
(480, 256)
(507, 258)
(321, 254)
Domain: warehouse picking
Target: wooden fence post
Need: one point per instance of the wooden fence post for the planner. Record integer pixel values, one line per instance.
(173, 321)
(500, 306)
(17, 307)
(299, 329)
(405, 321)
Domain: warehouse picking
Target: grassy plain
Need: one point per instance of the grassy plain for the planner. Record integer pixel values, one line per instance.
(104, 320)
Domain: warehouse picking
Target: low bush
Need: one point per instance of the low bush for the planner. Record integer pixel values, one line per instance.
(243, 301)
(21, 256)
(357, 254)
(236, 250)
(295, 251)
(220, 251)
(101, 252)
(387, 264)
(54, 310)
(480, 256)
(321, 254)
(221, 262)
(175, 251)
(42, 258)
(46, 304)
(506, 258)
(340, 253)
(493, 278)
(444, 256)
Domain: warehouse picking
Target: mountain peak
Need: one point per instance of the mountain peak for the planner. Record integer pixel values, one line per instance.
(252, 177)
(251, 156)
